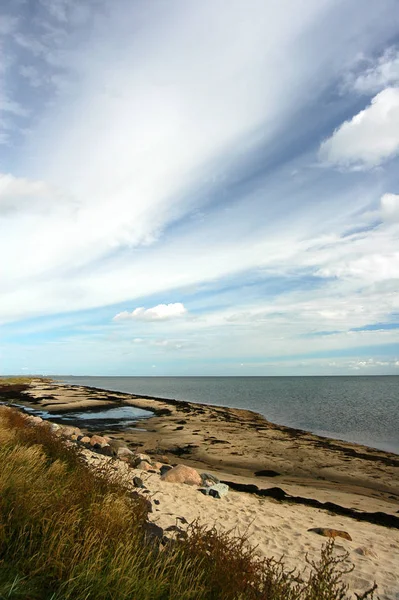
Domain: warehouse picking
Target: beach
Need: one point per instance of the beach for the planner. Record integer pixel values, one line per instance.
(282, 481)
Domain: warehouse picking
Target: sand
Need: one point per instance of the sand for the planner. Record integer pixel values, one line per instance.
(234, 444)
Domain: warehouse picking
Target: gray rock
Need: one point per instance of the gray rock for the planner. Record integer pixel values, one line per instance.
(164, 469)
(216, 491)
(208, 480)
(138, 482)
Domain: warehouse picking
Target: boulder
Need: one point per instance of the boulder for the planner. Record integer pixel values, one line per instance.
(35, 420)
(331, 533)
(218, 490)
(68, 430)
(138, 482)
(157, 465)
(85, 439)
(106, 450)
(182, 474)
(54, 427)
(144, 466)
(165, 468)
(98, 439)
(123, 452)
(136, 459)
(208, 480)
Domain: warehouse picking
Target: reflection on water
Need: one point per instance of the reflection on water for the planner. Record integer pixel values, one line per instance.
(123, 414)
(114, 416)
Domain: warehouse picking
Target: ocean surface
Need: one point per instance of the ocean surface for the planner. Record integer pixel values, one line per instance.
(356, 409)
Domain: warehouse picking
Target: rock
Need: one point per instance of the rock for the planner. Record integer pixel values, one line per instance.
(68, 430)
(85, 440)
(164, 459)
(157, 465)
(153, 531)
(54, 427)
(123, 452)
(144, 466)
(157, 502)
(74, 437)
(136, 459)
(35, 420)
(182, 474)
(366, 551)
(106, 450)
(331, 533)
(98, 439)
(138, 482)
(165, 468)
(218, 490)
(208, 480)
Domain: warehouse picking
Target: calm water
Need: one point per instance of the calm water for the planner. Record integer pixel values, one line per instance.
(357, 409)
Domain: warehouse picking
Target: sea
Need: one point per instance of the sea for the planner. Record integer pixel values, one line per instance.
(361, 409)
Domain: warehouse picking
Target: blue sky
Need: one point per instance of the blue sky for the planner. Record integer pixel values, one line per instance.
(199, 188)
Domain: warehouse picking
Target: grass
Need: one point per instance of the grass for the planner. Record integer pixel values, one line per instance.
(67, 532)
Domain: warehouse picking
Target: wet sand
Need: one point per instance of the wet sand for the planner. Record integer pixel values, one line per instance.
(240, 445)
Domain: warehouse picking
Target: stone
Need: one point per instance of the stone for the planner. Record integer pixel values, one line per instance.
(85, 440)
(68, 430)
(153, 531)
(165, 468)
(35, 420)
(74, 437)
(366, 551)
(182, 474)
(98, 439)
(106, 450)
(218, 490)
(144, 466)
(124, 452)
(157, 465)
(331, 533)
(138, 482)
(164, 459)
(136, 459)
(54, 427)
(208, 479)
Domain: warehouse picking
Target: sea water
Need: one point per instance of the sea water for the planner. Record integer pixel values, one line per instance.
(362, 409)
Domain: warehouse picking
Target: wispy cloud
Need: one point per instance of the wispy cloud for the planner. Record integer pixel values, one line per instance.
(147, 175)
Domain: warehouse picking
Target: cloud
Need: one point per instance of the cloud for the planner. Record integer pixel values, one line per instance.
(369, 138)
(383, 73)
(161, 312)
(390, 207)
(18, 194)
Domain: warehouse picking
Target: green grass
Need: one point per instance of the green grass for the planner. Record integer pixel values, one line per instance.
(67, 532)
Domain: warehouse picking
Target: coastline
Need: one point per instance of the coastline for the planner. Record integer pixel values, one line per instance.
(237, 443)
(311, 482)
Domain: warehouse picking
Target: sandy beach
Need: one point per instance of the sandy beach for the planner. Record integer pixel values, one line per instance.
(302, 481)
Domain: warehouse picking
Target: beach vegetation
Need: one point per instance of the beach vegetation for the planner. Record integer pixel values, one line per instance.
(68, 531)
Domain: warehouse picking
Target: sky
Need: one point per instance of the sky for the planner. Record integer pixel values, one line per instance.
(199, 188)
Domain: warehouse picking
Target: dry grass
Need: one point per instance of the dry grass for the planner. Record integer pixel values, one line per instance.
(67, 533)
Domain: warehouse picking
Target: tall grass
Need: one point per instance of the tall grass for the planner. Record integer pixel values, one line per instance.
(67, 532)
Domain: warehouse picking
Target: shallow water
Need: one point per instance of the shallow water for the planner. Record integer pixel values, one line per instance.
(357, 409)
(121, 416)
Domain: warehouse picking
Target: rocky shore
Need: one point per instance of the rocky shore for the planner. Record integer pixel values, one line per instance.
(286, 489)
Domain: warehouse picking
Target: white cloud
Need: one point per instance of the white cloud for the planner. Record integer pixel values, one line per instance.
(390, 207)
(161, 312)
(18, 194)
(381, 74)
(369, 138)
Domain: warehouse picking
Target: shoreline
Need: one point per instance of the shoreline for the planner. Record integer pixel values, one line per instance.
(240, 444)
(312, 483)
